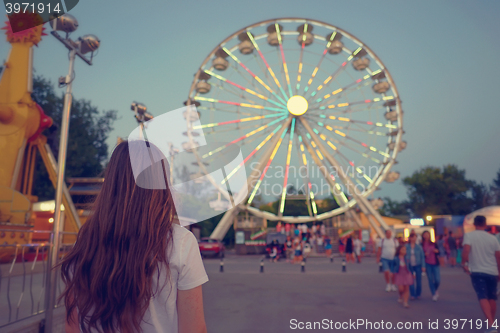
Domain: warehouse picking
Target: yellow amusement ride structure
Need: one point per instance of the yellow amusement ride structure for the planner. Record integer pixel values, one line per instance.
(21, 124)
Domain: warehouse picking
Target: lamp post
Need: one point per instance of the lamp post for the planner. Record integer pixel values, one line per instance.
(88, 43)
(141, 115)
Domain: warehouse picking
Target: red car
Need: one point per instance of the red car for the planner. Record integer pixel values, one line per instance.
(211, 247)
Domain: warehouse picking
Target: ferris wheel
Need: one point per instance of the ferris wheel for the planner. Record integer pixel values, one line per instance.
(308, 103)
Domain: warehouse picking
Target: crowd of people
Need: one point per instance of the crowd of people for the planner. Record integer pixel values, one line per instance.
(301, 240)
(478, 253)
(405, 262)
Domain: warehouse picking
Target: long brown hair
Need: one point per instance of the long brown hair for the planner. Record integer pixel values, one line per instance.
(428, 240)
(109, 272)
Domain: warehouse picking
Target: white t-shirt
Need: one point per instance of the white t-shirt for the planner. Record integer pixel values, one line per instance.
(388, 248)
(482, 254)
(186, 272)
(358, 244)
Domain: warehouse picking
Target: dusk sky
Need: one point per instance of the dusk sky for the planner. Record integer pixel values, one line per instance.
(443, 56)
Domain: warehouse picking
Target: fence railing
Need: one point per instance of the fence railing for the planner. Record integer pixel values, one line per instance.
(25, 279)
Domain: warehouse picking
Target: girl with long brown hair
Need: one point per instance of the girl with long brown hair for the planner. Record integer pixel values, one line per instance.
(132, 268)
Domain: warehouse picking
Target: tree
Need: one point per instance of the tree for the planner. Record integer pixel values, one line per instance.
(394, 208)
(495, 190)
(436, 191)
(88, 131)
(481, 195)
(496, 181)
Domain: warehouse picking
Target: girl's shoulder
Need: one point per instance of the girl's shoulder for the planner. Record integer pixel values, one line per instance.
(179, 232)
(182, 241)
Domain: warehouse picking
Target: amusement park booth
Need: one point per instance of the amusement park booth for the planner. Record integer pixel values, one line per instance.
(250, 234)
(390, 221)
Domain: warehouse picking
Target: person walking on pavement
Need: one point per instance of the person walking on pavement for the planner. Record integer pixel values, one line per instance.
(416, 258)
(349, 250)
(357, 246)
(452, 246)
(402, 275)
(433, 272)
(442, 251)
(481, 259)
(385, 255)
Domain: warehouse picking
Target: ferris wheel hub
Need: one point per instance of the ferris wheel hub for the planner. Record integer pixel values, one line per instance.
(297, 105)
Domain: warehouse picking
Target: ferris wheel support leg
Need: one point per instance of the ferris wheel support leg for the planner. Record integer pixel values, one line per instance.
(373, 212)
(371, 220)
(375, 226)
(362, 202)
(353, 216)
(226, 221)
(224, 224)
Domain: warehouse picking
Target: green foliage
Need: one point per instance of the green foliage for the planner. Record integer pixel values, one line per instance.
(393, 208)
(327, 204)
(271, 207)
(88, 132)
(481, 195)
(436, 191)
(495, 190)
(496, 181)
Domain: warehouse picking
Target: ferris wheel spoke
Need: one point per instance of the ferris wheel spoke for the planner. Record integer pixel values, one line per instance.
(238, 121)
(315, 71)
(355, 168)
(332, 77)
(245, 105)
(249, 79)
(287, 167)
(346, 145)
(223, 79)
(356, 122)
(346, 178)
(299, 71)
(269, 69)
(228, 130)
(344, 135)
(361, 122)
(238, 95)
(338, 142)
(356, 151)
(307, 181)
(336, 94)
(285, 66)
(350, 173)
(262, 144)
(346, 104)
(269, 80)
(246, 136)
(224, 110)
(336, 189)
(273, 154)
(258, 79)
(367, 107)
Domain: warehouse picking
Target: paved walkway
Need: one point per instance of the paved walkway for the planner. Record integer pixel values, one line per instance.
(243, 300)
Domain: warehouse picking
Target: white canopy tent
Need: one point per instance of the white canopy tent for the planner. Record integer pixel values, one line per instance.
(492, 214)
